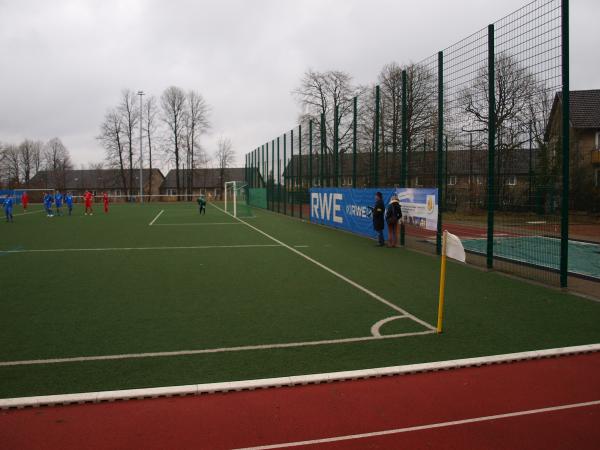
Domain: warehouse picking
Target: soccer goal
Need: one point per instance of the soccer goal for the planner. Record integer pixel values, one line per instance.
(236, 199)
(34, 195)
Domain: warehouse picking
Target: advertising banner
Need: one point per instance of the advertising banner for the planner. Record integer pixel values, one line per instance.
(349, 209)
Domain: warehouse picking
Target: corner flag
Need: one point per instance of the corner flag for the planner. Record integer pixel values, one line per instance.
(451, 248)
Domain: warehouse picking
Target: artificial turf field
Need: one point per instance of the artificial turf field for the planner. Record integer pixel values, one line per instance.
(107, 302)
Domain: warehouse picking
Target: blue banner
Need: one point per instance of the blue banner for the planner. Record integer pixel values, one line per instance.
(349, 209)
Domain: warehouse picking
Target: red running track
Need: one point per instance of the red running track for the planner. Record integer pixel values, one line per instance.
(284, 415)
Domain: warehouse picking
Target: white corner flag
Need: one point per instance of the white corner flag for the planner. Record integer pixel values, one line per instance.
(454, 248)
(451, 248)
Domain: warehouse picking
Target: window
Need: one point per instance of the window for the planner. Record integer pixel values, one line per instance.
(316, 182)
(479, 180)
(452, 180)
(171, 192)
(597, 140)
(416, 181)
(511, 180)
(347, 181)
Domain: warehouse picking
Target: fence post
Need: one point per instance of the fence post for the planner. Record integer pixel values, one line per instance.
(278, 176)
(285, 177)
(336, 159)
(354, 117)
(292, 178)
(273, 175)
(323, 145)
(267, 172)
(445, 172)
(310, 153)
(300, 168)
(491, 146)
(404, 173)
(566, 144)
(440, 150)
(376, 148)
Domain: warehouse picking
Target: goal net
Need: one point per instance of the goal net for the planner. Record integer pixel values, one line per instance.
(236, 199)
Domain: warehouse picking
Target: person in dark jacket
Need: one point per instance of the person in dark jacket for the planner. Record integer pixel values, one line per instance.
(393, 216)
(378, 212)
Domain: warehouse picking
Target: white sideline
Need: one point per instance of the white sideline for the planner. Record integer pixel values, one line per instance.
(74, 359)
(349, 437)
(209, 388)
(195, 224)
(337, 274)
(156, 218)
(116, 249)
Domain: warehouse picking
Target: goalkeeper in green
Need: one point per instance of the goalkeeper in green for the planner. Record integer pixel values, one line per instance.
(201, 205)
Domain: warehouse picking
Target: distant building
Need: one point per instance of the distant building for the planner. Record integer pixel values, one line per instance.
(98, 181)
(209, 182)
(584, 148)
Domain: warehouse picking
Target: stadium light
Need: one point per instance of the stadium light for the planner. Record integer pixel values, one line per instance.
(141, 93)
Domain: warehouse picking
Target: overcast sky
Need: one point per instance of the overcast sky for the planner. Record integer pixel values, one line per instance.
(65, 62)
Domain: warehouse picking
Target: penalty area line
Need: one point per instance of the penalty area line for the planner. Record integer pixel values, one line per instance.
(337, 274)
(156, 218)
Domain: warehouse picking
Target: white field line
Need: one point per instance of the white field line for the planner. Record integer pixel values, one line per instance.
(194, 224)
(206, 351)
(337, 274)
(208, 388)
(156, 218)
(28, 213)
(377, 326)
(430, 426)
(116, 249)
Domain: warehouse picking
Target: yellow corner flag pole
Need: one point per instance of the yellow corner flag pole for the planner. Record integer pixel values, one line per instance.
(442, 285)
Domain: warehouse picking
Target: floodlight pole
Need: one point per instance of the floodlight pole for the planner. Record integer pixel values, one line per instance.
(141, 93)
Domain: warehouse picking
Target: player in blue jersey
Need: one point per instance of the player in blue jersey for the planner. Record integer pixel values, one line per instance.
(58, 202)
(8, 208)
(69, 202)
(48, 204)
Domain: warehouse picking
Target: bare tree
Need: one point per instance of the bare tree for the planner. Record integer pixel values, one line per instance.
(57, 161)
(196, 123)
(224, 157)
(129, 115)
(112, 138)
(173, 102)
(30, 159)
(320, 93)
(150, 128)
(515, 88)
(12, 163)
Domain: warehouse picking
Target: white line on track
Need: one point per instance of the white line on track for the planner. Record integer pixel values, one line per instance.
(426, 427)
(337, 274)
(156, 218)
(116, 249)
(205, 351)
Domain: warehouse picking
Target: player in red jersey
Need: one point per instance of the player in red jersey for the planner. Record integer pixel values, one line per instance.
(24, 200)
(105, 201)
(87, 197)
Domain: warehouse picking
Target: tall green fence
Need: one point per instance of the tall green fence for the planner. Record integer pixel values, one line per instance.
(257, 197)
(482, 120)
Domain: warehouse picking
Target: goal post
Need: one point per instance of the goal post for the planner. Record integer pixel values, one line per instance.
(35, 195)
(235, 197)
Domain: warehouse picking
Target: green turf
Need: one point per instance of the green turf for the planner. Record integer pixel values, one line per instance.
(89, 303)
